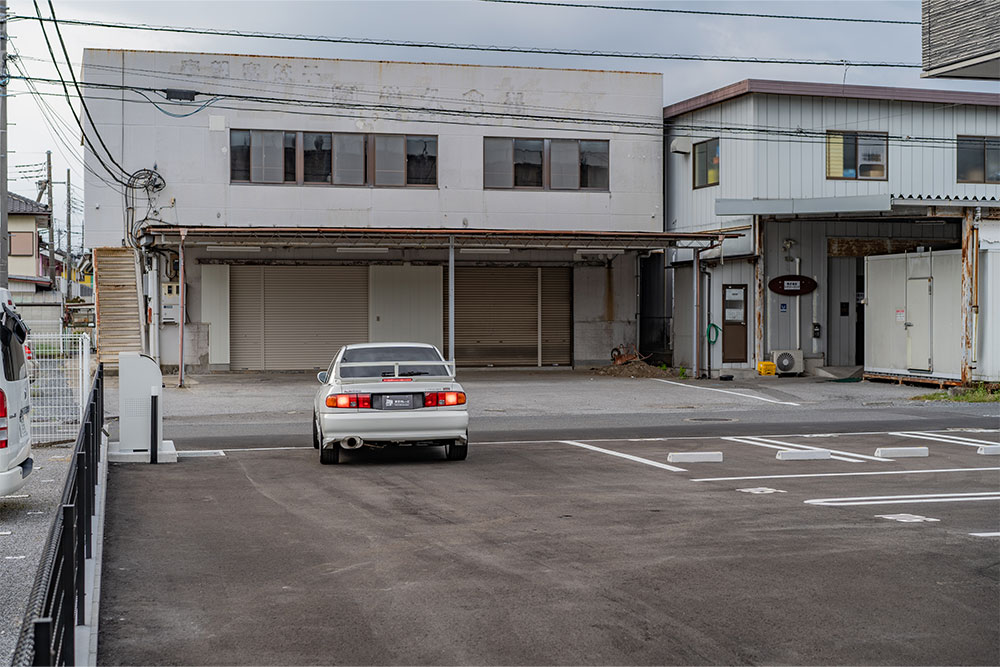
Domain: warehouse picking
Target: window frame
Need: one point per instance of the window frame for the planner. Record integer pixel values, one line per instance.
(694, 165)
(857, 155)
(34, 244)
(368, 156)
(985, 139)
(546, 185)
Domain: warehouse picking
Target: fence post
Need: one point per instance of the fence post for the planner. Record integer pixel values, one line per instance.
(42, 629)
(68, 580)
(154, 424)
(83, 499)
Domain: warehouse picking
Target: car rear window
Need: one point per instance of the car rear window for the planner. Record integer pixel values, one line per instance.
(15, 366)
(390, 353)
(384, 371)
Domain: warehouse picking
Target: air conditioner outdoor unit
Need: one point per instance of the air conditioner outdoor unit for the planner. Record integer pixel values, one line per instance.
(788, 361)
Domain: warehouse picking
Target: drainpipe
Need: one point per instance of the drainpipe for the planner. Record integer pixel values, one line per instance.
(154, 307)
(759, 291)
(451, 302)
(798, 308)
(183, 314)
(696, 280)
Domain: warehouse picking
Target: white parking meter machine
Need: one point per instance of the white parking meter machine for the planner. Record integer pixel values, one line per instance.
(140, 410)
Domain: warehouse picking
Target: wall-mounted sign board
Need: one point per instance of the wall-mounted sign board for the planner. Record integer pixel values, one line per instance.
(791, 285)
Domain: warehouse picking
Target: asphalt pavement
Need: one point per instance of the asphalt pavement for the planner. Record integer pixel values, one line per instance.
(567, 537)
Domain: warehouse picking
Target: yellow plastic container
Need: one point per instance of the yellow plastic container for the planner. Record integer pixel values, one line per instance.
(766, 368)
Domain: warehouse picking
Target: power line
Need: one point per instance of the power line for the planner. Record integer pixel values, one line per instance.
(474, 47)
(702, 12)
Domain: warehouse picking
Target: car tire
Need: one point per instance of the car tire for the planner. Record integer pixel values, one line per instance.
(455, 451)
(330, 455)
(315, 433)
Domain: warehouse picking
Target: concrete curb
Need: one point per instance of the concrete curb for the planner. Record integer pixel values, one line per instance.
(989, 450)
(694, 457)
(803, 454)
(901, 452)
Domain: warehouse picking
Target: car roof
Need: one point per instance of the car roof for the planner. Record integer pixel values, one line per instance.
(358, 346)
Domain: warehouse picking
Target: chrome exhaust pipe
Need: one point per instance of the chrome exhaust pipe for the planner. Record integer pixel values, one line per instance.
(351, 442)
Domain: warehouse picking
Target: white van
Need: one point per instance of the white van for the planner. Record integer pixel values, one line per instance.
(15, 401)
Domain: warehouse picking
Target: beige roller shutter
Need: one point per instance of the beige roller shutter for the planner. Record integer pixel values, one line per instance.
(310, 312)
(496, 316)
(557, 316)
(246, 312)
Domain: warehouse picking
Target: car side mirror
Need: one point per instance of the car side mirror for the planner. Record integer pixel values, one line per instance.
(322, 376)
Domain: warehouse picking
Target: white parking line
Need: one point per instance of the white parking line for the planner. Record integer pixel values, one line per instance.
(852, 455)
(760, 442)
(906, 500)
(839, 474)
(985, 534)
(941, 437)
(655, 464)
(726, 391)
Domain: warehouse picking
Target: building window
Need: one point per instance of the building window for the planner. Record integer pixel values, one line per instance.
(348, 159)
(239, 155)
(545, 164)
(317, 157)
(857, 155)
(978, 160)
(22, 244)
(706, 163)
(272, 156)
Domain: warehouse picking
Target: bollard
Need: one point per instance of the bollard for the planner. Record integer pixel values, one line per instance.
(153, 423)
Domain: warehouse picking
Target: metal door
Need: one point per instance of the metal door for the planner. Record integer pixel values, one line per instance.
(734, 324)
(918, 324)
(557, 315)
(496, 316)
(246, 317)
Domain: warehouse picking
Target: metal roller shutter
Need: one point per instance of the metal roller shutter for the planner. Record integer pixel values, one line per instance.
(246, 312)
(557, 315)
(496, 316)
(310, 312)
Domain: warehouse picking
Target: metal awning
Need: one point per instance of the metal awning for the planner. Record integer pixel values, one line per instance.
(433, 238)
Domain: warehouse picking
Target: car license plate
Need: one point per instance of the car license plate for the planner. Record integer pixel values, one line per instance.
(401, 402)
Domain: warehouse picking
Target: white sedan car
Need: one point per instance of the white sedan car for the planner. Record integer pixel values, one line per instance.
(378, 394)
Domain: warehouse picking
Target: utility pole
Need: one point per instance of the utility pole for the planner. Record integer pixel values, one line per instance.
(69, 236)
(52, 220)
(4, 79)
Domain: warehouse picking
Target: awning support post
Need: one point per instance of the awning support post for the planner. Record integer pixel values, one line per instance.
(451, 300)
(181, 317)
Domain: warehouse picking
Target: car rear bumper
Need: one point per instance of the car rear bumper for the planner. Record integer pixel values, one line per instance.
(12, 480)
(392, 426)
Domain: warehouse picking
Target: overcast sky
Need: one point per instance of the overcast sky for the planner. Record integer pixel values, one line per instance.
(475, 22)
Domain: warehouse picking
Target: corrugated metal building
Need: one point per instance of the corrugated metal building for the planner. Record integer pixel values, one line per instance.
(817, 177)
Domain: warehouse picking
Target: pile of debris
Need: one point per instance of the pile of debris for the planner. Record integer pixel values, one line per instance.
(634, 369)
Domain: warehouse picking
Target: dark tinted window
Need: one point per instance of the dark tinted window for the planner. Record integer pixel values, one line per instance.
(361, 354)
(289, 157)
(239, 155)
(594, 165)
(528, 162)
(421, 160)
(317, 154)
(15, 366)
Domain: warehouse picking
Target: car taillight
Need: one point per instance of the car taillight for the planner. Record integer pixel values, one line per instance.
(437, 398)
(3, 420)
(349, 401)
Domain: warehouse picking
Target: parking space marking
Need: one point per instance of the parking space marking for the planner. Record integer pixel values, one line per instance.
(784, 446)
(943, 437)
(839, 474)
(726, 391)
(907, 518)
(655, 464)
(850, 455)
(259, 449)
(906, 500)
(985, 534)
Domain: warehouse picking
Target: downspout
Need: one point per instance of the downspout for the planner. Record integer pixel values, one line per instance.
(154, 307)
(798, 309)
(759, 292)
(451, 302)
(696, 280)
(183, 313)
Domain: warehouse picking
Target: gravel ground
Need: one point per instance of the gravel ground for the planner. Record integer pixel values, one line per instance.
(28, 520)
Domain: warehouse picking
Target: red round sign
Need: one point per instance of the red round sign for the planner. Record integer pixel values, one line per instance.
(791, 285)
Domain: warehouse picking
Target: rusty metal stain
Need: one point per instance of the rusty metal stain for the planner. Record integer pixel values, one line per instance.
(968, 252)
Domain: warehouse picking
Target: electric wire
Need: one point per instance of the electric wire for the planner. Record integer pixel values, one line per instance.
(703, 12)
(366, 41)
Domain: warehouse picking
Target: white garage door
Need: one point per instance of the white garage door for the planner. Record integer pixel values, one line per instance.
(295, 317)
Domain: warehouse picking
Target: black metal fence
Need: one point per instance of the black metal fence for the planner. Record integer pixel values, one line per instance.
(57, 603)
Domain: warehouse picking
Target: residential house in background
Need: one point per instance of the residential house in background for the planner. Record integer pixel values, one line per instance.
(27, 265)
(817, 177)
(961, 39)
(300, 204)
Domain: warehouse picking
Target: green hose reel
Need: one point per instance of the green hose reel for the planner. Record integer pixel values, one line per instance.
(712, 333)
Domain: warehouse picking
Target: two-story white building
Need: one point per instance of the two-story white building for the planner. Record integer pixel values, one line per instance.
(280, 207)
(817, 177)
